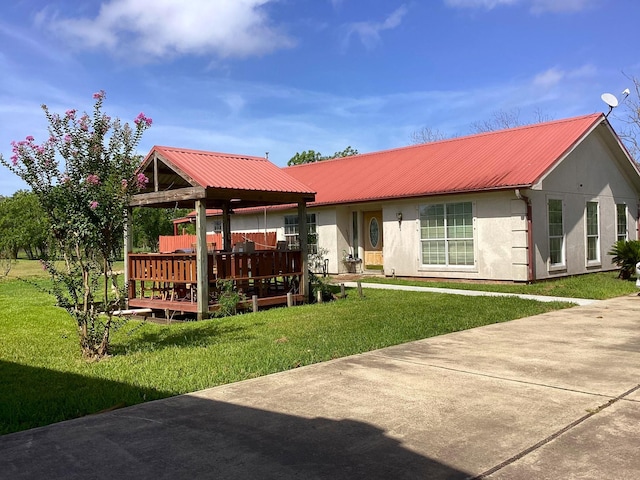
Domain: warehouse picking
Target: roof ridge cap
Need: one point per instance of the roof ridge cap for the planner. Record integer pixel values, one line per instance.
(454, 139)
(208, 152)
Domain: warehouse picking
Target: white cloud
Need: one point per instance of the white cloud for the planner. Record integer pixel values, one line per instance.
(369, 32)
(487, 4)
(559, 6)
(536, 6)
(553, 76)
(549, 78)
(161, 28)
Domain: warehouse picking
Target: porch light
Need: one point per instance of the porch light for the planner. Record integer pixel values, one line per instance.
(399, 217)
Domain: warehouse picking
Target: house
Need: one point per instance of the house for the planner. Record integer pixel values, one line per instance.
(522, 204)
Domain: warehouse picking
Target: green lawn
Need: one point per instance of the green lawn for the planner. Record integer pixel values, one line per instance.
(45, 380)
(597, 286)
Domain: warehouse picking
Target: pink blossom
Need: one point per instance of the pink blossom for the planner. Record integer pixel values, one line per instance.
(141, 181)
(40, 149)
(99, 95)
(14, 160)
(30, 138)
(84, 122)
(141, 118)
(70, 113)
(93, 179)
(67, 138)
(93, 205)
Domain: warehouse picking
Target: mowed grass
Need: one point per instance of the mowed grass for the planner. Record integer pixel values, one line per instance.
(598, 286)
(45, 380)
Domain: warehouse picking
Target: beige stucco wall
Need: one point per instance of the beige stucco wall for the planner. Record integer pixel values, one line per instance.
(499, 238)
(499, 233)
(591, 173)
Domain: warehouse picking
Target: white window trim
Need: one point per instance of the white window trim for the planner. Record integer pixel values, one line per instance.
(555, 267)
(596, 262)
(626, 222)
(426, 267)
(295, 236)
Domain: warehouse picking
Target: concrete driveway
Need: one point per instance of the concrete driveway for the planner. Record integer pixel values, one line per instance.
(546, 397)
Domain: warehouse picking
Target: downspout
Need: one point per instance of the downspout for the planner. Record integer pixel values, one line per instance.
(530, 258)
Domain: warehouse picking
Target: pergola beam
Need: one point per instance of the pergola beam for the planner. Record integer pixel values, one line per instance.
(167, 197)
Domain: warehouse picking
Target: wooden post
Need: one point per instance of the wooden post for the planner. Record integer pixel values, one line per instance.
(319, 296)
(226, 228)
(289, 299)
(254, 301)
(128, 244)
(342, 292)
(202, 270)
(359, 288)
(304, 247)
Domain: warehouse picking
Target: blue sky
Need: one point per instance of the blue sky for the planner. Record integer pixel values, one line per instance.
(282, 76)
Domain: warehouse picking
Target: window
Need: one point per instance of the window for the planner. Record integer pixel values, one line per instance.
(217, 226)
(374, 232)
(621, 222)
(556, 233)
(593, 233)
(291, 232)
(446, 234)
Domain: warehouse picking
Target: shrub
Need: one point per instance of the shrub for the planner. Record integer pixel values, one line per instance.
(626, 254)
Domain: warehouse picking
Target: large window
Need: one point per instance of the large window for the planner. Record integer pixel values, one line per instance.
(556, 233)
(621, 222)
(593, 233)
(291, 232)
(446, 234)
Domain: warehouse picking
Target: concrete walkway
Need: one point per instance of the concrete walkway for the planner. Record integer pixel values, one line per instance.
(472, 293)
(554, 396)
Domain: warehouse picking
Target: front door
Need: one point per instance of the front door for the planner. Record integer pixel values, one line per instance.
(373, 240)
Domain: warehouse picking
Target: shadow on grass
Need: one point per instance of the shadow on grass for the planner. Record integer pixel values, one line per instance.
(31, 397)
(169, 336)
(196, 437)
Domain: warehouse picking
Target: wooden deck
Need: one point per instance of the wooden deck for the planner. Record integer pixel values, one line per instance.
(167, 282)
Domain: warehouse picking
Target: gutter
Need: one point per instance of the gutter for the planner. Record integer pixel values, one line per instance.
(530, 260)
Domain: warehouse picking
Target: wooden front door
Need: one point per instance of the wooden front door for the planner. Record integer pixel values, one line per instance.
(373, 239)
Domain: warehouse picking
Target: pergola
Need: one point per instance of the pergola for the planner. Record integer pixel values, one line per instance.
(206, 180)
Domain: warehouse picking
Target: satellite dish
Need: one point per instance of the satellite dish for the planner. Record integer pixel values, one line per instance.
(609, 99)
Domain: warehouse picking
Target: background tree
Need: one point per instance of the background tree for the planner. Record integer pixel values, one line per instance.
(307, 156)
(499, 120)
(427, 135)
(23, 226)
(84, 175)
(628, 113)
(504, 119)
(149, 223)
(311, 156)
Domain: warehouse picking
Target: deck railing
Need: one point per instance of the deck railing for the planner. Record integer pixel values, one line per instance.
(172, 277)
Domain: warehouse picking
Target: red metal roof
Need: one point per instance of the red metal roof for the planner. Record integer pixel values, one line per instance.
(514, 158)
(230, 171)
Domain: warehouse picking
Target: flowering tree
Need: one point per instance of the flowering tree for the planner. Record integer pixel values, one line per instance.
(84, 175)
